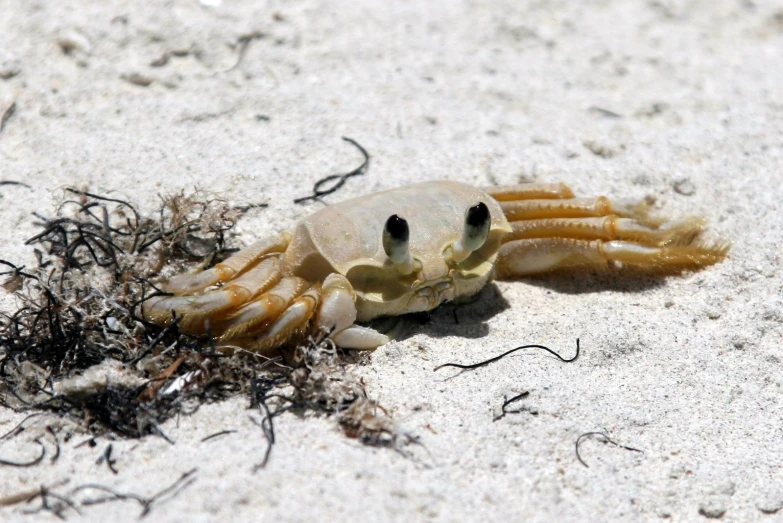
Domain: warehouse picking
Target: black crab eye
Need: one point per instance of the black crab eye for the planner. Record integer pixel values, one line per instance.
(395, 239)
(477, 222)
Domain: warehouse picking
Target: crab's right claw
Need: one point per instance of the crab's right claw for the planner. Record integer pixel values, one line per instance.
(337, 315)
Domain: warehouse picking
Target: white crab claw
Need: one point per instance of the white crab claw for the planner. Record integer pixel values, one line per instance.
(361, 338)
(338, 313)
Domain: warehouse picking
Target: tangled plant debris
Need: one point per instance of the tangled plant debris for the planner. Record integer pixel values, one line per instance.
(77, 344)
(67, 502)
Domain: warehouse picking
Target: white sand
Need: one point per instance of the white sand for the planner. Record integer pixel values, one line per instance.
(687, 369)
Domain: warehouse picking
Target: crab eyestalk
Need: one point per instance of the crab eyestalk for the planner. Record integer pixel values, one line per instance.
(474, 234)
(395, 243)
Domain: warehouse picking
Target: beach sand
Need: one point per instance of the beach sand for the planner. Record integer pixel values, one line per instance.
(679, 103)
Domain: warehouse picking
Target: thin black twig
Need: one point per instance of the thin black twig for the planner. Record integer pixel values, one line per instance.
(245, 208)
(11, 182)
(22, 464)
(18, 428)
(266, 424)
(7, 114)
(27, 495)
(56, 456)
(184, 481)
(603, 112)
(57, 509)
(267, 427)
(603, 435)
(116, 496)
(506, 403)
(318, 188)
(243, 42)
(155, 429)
(218, 434)
(106, 456)
(106, 199)
(180, 484)
(91, 442)
(501, 356)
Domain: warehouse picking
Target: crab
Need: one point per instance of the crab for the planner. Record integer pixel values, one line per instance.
(410, 249)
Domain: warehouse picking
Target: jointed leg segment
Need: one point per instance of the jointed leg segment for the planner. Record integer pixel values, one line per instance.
(552, 230)
(256, 307)
(232, 267)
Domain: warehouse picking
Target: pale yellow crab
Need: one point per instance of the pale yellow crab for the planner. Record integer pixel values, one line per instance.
(410, 249)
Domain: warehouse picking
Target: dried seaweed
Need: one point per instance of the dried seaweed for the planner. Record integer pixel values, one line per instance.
(218, 434)
(12, 182)
(6, 115)
(22, 464)
(243, 42)
(79, 307)
(508, 402)
(321, 382)
(106, 456)
(606, 438)
(56, 455)
(471, 366)
(62, 502)
(19, 427)
(25, 496)
(57, 508)
(322, 188)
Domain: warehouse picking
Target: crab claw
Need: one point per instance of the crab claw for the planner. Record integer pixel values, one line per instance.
(338, 314)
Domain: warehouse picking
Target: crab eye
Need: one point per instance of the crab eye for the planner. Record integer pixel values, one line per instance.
(395, 239)
(476, 227)
(475, 233)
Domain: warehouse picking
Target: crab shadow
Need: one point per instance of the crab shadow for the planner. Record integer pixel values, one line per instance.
(470, 320)
(585, 282)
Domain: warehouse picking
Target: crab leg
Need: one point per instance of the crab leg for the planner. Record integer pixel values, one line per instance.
(234, 266)
(551, 230)
(291, 323)
(610, 227)
(286, 311)
(260, 310)
(255, 316)
(535, 200)
(528, 257)
(530, 191)
(194, 310)
(567, 208)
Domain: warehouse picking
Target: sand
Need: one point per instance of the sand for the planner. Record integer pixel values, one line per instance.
(677, 102)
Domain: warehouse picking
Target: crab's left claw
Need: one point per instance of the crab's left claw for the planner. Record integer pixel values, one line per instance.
(337, 315)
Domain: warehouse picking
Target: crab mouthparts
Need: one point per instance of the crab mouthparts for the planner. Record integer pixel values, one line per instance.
(430, 294)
